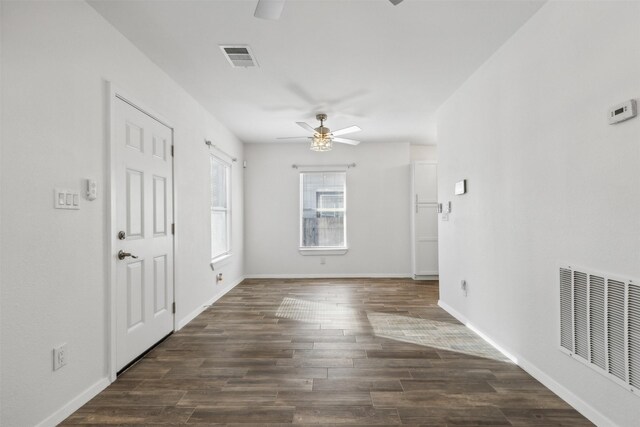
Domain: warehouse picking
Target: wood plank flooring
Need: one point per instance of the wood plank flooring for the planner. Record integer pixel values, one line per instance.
(358, 351)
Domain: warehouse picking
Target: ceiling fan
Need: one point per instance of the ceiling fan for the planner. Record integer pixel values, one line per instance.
(272, 9)
(323, 138)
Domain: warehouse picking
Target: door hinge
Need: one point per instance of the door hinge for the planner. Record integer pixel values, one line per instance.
(173, 308)
(172, 151)
(173, 228)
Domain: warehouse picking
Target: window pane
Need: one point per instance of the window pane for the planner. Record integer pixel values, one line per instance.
(219, 233)
(220, 216)
(218, 184)
(323, 209)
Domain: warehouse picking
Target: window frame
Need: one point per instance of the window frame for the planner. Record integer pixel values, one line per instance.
(321, 250)
(217, 258)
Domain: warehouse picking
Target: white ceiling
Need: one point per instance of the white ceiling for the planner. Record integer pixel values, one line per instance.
(384, 68)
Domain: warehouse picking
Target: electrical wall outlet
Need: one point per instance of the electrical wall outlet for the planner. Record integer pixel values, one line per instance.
(60, 356)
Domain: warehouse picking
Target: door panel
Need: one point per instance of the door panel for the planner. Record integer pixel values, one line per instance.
(160, 283)
(427, 221)
(159, 205)
(135, 291)
(426, 240)
(426, 182)
(135, 203)
(144, 210)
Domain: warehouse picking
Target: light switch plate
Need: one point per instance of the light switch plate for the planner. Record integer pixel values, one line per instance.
(66, 199)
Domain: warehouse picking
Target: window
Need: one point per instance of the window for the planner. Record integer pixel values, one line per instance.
(220, 208)
(323, 222)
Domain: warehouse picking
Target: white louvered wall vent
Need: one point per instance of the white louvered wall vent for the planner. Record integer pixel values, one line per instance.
(600, 324)
(239, 56)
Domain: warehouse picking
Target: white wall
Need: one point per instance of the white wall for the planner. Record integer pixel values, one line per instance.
(426, 153)
(550, 181)
(1, 108)
(56, 59)
(377, 211)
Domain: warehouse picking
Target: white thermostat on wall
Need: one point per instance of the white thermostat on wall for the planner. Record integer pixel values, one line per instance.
(621, 112)
(460, 188)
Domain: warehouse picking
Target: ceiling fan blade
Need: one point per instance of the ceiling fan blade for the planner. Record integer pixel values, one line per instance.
(395, 2)
(294, 137)
(269, 9)
(304, 125)
(346, 141)
(345, 131)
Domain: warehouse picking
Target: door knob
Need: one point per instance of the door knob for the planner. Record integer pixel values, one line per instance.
(122, 255)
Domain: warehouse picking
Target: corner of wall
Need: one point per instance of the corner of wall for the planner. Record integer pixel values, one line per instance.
(184, 321)
(580, 405)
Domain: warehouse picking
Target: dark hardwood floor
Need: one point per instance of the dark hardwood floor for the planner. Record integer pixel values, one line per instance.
(357, 351)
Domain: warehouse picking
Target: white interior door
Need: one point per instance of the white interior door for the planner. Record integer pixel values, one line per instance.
(425, 182)
(425, 219)
(426, 238)
(143, 170)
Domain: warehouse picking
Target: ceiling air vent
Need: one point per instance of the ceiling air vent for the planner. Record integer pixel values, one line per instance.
(239, 56)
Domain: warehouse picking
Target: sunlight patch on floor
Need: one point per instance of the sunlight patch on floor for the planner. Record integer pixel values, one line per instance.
(423, 332)
(432, 333)
(315, 312)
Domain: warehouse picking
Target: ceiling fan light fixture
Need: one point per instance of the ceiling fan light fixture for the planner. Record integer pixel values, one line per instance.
(321, 143)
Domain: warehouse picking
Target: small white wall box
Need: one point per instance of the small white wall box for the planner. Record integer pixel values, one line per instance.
(621, 112)
(461, 187)
(91, 189)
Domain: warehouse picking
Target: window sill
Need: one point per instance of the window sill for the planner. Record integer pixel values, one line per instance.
(221, 261)
(322, 251)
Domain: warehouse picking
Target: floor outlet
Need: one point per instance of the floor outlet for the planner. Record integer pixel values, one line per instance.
(59, 357)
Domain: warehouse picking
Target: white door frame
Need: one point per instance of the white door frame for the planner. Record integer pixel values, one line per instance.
(114, 94)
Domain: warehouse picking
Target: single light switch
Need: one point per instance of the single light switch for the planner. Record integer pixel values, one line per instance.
(69, 201)
(76, 198)
(61, 199)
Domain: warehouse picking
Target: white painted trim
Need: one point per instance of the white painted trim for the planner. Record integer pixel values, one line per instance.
(114, 92)
(565, 394)
(331, 276)
(221, 261)
(426, 277)
(593, 415)
(189, 317)
(76, 403)
(322, 251)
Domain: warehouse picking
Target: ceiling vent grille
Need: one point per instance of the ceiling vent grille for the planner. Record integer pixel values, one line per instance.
(239, 56)
(600, 324)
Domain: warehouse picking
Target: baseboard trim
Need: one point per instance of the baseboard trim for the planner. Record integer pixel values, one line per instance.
(76, 403)
(189, 317)
(331, 276)
(564, 393)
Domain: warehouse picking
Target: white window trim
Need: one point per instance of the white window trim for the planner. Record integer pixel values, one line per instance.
(322, 250)
(222, 259)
